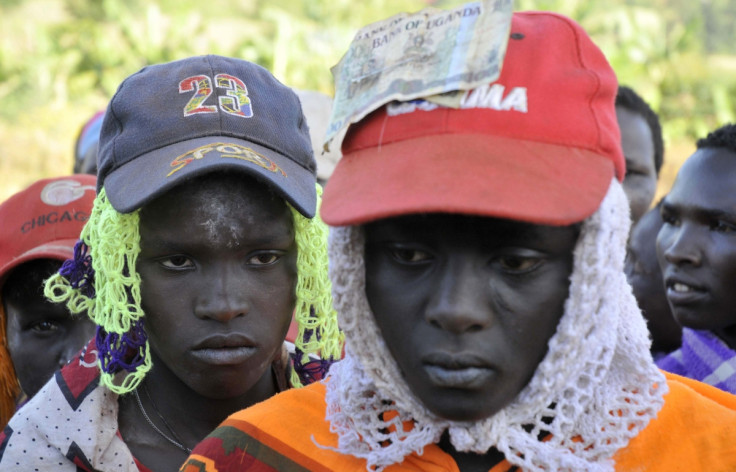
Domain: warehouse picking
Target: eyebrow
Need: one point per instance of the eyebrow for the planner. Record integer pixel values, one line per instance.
(719, 214)
(707, 212)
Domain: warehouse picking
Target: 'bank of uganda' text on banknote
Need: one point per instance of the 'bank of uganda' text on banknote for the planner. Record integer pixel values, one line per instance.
(431, 54)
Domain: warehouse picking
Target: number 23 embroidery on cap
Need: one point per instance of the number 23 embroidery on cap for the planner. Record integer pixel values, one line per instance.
(234, 102)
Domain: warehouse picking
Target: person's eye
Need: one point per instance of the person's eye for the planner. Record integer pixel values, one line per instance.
(518, 264)
(409, 255)
(723, 226)
(177, 262)
(669, 219)
(264, 258)
(44, 327)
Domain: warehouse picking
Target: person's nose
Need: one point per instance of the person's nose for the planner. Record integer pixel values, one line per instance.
(223, 294)
(681, 245)
(459, 303)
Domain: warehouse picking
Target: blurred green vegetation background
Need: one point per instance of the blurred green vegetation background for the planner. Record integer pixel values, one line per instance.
(61, 60)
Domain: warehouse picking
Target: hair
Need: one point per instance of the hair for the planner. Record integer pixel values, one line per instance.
(102, 280)
(9, 385)
(627, 98)
(723, 137)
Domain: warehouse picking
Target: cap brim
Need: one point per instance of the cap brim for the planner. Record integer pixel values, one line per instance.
(60, 250)
(144, 178)
(474, 174)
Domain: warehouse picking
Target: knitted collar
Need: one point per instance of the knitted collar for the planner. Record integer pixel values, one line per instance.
(598, 381)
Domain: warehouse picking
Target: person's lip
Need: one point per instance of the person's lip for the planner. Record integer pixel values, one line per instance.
(683, 290)
(461, 370)
(224, 349)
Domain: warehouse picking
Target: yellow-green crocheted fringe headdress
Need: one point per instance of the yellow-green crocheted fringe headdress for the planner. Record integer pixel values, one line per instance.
(102, 281)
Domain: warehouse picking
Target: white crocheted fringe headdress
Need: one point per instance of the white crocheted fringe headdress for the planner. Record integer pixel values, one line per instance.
(597, 381)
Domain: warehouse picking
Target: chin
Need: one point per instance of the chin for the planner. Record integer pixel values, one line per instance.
(223, 388)
(693, 319)
(468, 410)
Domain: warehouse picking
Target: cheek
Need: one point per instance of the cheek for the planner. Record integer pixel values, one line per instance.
(535, 308)
(662, 243)
(397, 314)
(12, 334)
(723, 256)
(640, 190)
(390, 290)
(163, 310)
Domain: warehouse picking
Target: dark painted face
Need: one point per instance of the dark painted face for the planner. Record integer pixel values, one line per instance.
(645, 277)
(640, 182)
(467, 304)
(42, 336)
(696, 246)
(218, 271)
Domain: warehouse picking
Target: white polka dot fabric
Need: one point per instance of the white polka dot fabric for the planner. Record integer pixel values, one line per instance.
(70, 425)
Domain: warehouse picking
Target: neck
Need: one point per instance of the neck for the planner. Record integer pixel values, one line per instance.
(470, 461)
(728, 336)
(172, 405)
(190, 413)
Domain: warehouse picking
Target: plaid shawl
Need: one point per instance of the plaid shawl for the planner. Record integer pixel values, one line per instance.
(704, 357)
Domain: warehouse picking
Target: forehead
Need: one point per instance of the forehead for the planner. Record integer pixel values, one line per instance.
(450, 227)
(21, 312)
(636, 136)
(706, 180)
(221, 205)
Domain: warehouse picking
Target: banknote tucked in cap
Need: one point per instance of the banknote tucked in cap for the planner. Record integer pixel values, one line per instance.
(429, 54)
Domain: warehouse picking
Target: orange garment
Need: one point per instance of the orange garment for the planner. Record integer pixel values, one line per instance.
(695, 431)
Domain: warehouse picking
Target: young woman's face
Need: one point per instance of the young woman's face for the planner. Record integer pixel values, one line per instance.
(645, 277)
(218, 272)
(640, 183)
(696, 246)
(467, 305)
(42, 336)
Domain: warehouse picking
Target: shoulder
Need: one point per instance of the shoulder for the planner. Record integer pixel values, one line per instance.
(693, 431)
(70, 424)
(287, 432)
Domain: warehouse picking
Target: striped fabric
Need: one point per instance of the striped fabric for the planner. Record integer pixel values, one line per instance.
(704, 357)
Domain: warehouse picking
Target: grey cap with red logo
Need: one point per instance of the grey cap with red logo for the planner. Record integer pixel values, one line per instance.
(171, 122)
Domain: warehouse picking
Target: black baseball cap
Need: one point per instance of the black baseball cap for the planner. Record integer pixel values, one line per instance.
(170, 122)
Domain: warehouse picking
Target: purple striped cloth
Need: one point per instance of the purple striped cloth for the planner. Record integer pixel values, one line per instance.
(704, 357)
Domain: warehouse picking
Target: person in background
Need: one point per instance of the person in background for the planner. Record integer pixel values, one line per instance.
(645, 277)
(85, 148)
(643, 147)
(317, 107)
(40, 226)
(202, 244)
(476, 255)
(696, 248)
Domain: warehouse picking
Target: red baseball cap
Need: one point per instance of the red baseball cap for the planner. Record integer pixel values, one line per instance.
(44, 221)
(540, 144)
